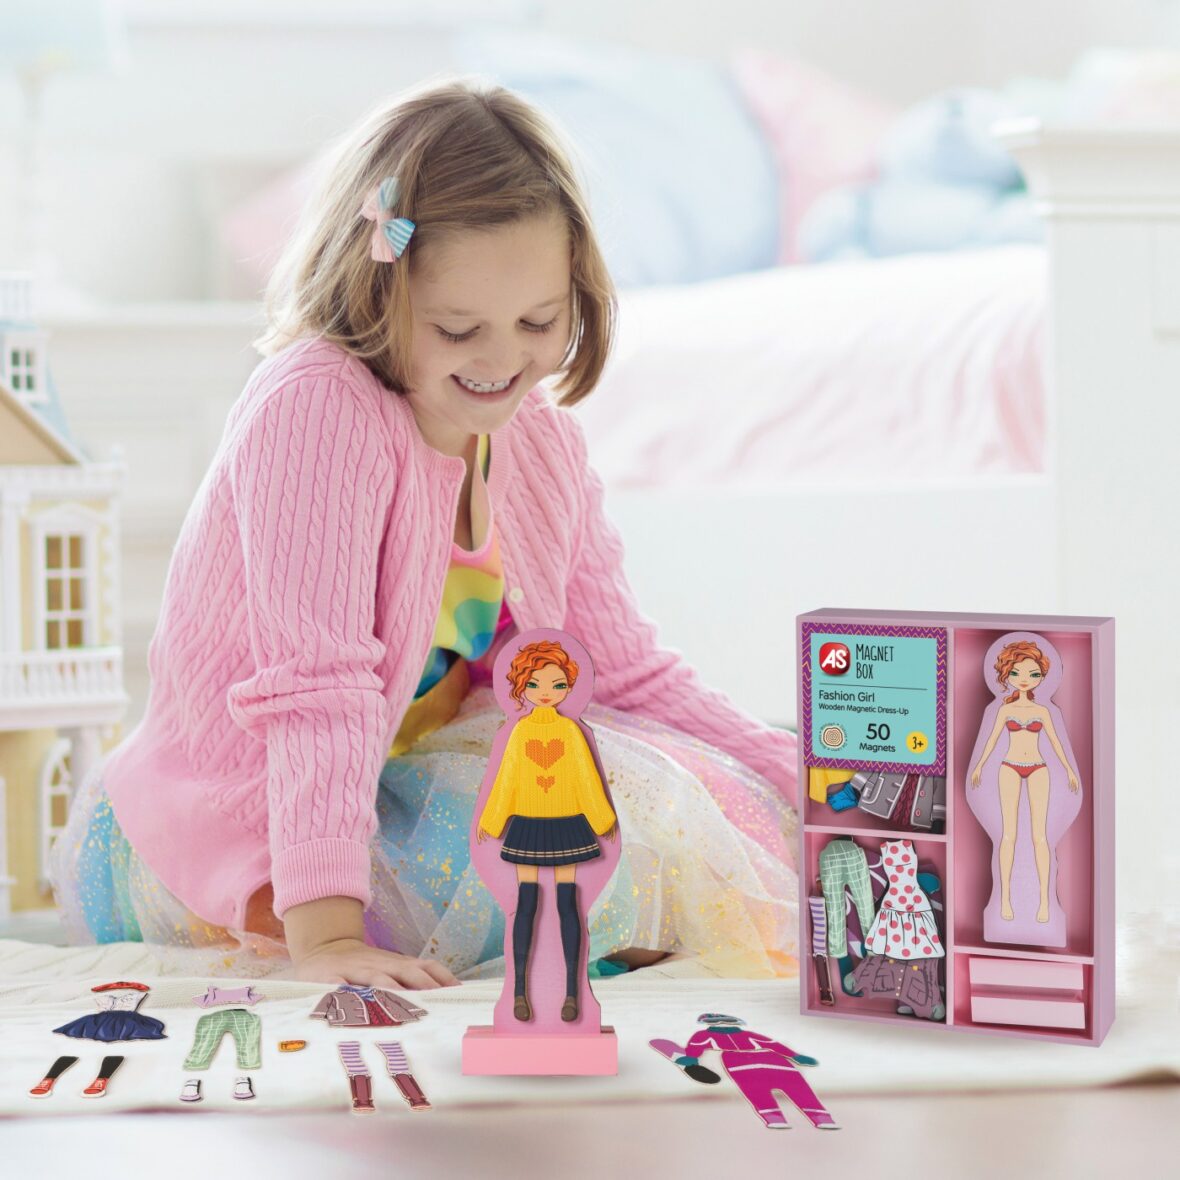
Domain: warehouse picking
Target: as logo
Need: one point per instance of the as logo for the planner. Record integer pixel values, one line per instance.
(835, 659)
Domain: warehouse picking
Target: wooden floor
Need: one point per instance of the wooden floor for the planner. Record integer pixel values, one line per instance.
(1093, 1133)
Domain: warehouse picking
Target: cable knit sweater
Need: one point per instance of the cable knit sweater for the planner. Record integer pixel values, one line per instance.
(298, 614)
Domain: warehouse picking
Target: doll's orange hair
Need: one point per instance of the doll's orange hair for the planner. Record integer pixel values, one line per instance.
(534, 656)
(1012, 654)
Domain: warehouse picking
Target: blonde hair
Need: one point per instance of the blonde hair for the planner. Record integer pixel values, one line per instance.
(467, 156)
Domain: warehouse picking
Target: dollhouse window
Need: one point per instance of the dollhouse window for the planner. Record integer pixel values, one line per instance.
(24, 371)
(67, 598)
(67, 567)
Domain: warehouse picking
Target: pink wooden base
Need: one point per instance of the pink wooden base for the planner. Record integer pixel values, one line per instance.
(583, 1055)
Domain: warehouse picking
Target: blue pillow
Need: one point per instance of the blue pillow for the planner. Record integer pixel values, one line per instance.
(680, 182)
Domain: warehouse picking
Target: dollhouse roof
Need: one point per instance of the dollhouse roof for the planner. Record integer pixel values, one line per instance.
(25, 432)
(50, 421)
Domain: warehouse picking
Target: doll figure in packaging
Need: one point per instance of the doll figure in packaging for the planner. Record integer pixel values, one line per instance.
(1024, 789)
(549, 806)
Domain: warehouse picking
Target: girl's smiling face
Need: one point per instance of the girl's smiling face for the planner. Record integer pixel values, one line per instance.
(491, 311)
(547, 686)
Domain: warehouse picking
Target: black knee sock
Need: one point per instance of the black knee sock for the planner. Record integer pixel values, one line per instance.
(522, 932)
(571, 933)
(60, 1066)
(109, 1065)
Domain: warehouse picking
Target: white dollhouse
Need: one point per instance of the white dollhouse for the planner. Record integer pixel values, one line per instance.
(61, 663)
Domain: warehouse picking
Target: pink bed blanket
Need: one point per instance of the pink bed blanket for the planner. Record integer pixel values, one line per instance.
(923, 367)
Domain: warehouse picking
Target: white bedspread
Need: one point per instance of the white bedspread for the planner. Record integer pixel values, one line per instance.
(924, 365)
(42, 987)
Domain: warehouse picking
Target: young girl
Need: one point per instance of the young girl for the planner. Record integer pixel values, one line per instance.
(392, 494)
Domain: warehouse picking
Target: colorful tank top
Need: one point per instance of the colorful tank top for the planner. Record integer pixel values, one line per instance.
(473, 593)
(472, 613)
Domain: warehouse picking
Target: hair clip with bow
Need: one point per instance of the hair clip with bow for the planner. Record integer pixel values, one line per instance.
(391, 235)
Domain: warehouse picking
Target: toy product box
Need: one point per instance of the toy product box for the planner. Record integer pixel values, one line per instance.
(957, 838)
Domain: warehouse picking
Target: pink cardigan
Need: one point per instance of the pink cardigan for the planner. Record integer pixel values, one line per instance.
(299, 610)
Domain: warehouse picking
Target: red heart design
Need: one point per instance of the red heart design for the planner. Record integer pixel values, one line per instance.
(544, 754)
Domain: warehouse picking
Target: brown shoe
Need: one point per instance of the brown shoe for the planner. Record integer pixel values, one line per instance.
(569, 1010)
(361, 1085)
(521, 1008)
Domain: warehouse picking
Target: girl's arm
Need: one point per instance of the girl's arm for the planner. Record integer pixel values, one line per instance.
(326, 941)
(631, 670)
(311, 485)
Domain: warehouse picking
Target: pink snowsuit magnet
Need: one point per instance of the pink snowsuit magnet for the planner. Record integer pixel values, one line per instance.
(758, 1066)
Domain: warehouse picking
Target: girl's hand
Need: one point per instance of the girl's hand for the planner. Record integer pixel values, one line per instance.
(976, 775)
(349, 960)
(482, 835)
(612, 835)
(1073, 781)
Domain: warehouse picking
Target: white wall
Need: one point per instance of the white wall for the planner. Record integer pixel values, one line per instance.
(901, 49)
(215, 96)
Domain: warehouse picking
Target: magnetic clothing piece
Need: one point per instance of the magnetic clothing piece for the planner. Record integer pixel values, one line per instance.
(106, 1071)
(398, 1066)
(820, 779)
(360, 1082)
(904, 927)
(915, 984)
(908, 800)
(227, 995)
(565, 840)
(245, 1028)
(351, 1059)
(357, 1007)
(117, 1019)
(819, 925)
(842, 864)
(547, 771)
(759, 1066)
(819, 948)
(45, 1086)
(843, 798)
(929, 807)
(879, 791)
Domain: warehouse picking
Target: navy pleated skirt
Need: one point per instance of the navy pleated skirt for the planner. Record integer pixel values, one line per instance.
(565, 840)
(114, 1026)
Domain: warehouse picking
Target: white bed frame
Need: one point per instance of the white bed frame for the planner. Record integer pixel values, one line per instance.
(157, 382)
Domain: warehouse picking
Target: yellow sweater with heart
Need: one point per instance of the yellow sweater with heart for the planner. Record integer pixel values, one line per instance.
(547, 771)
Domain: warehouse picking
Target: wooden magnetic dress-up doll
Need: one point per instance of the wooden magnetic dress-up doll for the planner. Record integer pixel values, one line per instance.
(1023, 751)
(549, 803)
